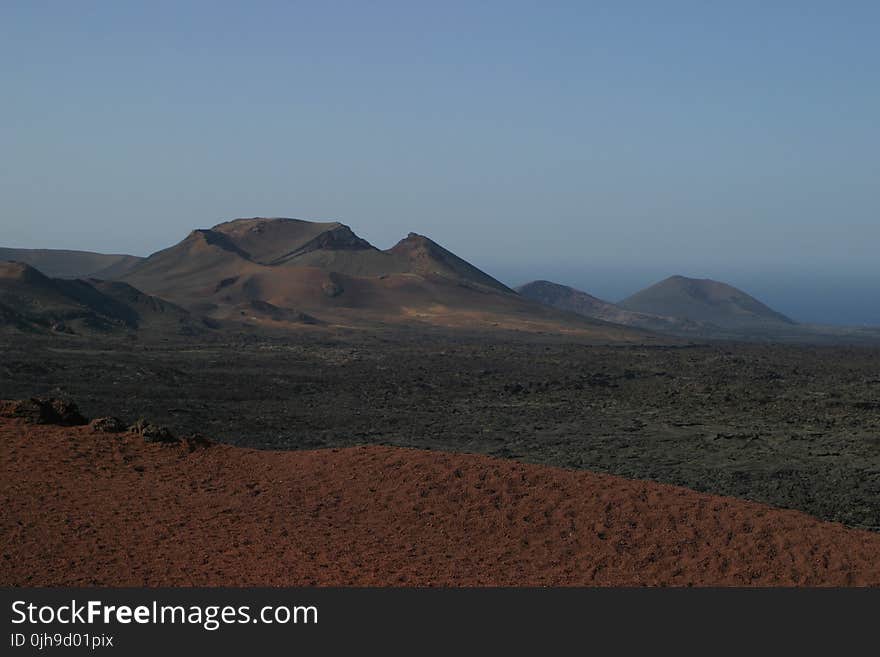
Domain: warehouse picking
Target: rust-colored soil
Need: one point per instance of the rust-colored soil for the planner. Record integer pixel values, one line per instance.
(83, 508)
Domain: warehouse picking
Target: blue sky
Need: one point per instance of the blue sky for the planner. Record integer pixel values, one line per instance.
(607, 143)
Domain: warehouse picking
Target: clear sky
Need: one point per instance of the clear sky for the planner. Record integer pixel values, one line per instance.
(606, 144)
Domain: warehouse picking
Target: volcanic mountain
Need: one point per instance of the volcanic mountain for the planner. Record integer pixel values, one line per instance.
(30, 300)
(263, 269)
(573, 300)
(72, 264)
(704, 300)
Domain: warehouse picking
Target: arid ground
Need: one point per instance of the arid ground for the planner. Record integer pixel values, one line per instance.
(312, 482)
(88, 508)
(795, 427)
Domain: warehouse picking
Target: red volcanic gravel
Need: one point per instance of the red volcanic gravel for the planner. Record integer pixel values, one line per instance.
(84, 508)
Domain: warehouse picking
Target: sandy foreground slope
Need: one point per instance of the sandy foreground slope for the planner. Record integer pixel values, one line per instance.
(86, 508)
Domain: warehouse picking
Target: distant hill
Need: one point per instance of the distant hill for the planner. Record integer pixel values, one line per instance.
(573, 300)
(30, 300)
(72, 264)
(704, 300)
(269, 270)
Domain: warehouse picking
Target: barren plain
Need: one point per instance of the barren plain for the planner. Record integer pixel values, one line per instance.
(795, 427)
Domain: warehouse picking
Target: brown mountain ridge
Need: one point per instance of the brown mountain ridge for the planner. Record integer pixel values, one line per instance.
(59, 263)
(269, 270)
(281, 272)
(32, 301)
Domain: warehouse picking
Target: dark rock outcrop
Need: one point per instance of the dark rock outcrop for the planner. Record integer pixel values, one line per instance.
(38, 410)
(107, 424)
(152, 433)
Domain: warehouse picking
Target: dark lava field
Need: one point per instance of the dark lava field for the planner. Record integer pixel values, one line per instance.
(792, 426)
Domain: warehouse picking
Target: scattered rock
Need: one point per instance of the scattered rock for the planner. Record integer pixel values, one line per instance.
(152, 433)
(281, 314)
(226, 282)
(38, 410)
(196, 441)
(138, 426)
(107, 424)
(332, 287)
(156, 434)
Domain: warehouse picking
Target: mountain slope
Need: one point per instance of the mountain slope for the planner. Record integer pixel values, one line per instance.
(705, 300)
(278, 240)
(427, 258)
(573, 300)
(29, 300)
(72, 264)
(265, 269)
(194, 268)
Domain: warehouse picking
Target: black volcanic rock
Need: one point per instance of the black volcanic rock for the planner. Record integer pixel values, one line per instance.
(152, 433)
(39, 410)
(108, 424)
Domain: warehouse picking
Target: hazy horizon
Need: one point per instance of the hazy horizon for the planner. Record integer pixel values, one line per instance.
(604, 146)
(807, 297)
